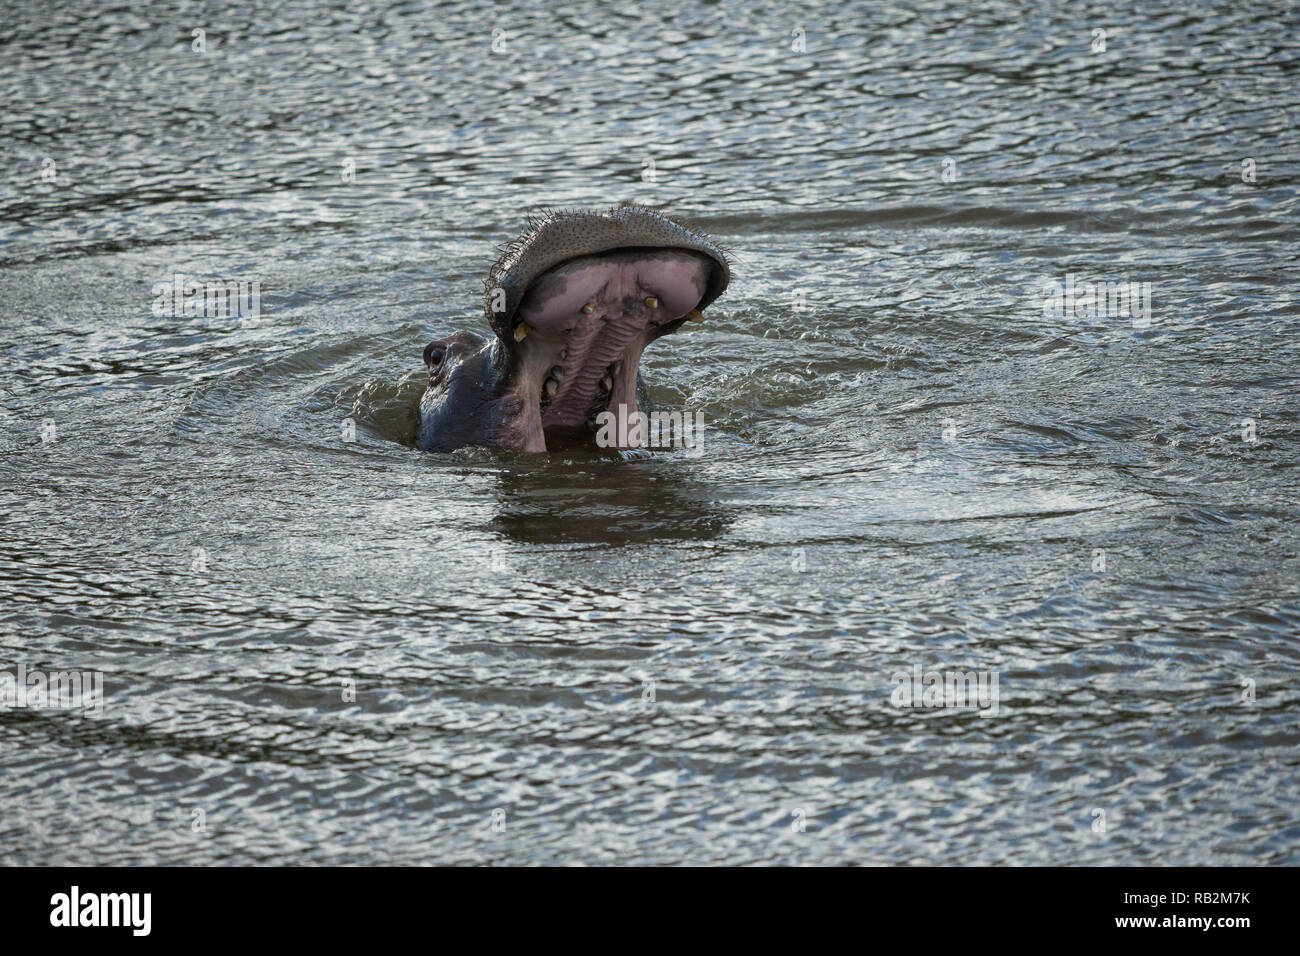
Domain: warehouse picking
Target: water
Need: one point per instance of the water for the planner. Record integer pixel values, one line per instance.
(968, 480)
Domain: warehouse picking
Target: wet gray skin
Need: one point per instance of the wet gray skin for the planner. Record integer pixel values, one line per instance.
(571, 303)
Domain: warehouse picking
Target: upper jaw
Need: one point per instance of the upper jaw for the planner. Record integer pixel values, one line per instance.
(554, 238)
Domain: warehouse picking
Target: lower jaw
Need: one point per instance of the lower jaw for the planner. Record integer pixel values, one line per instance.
(567, 420)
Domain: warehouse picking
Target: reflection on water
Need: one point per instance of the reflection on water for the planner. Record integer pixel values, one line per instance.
(599, 503)
(344, 650)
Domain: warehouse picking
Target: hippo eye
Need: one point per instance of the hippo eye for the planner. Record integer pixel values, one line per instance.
(433, 354)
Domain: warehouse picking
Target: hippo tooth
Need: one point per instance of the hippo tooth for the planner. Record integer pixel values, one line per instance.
(607, 383)
(557, 373)
(551, 387)
(521, 331)
(651, 302)
(695, 315)
(589, 308)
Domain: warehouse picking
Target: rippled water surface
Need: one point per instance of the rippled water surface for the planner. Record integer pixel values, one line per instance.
(910, 459)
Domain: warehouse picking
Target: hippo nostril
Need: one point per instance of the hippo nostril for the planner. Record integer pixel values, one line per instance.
(433, 354)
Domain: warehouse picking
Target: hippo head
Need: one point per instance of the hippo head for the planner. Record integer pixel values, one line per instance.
(572, 302)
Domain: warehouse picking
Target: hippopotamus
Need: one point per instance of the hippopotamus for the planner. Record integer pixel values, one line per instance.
(571, 303)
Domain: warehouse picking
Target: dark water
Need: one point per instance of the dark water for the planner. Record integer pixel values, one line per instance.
(890, 407)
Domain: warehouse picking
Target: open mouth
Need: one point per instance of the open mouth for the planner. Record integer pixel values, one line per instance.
(581, 327)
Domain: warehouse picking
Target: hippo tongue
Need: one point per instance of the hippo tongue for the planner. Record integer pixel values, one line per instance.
(581, 326)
